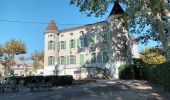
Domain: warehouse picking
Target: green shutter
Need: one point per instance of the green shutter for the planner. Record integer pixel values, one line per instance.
(48, 45)
(68, 60)
(105, 56)
(58, 60)
(48, 60)
(81, 60)
(93, 57)
(64, 59)
(99, 57)
(85, 41)
(58, 47)
(69, 43)
(78, 43)
(74, 43)
(75, 59)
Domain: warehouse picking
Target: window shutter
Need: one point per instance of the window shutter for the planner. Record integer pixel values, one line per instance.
(69, 43)
(78, 43)
(68, 60)
(64, 59)
(105, 56)
(48, 60)
(74, 59)
(48, 45)
(93, 57)
(58, 60)
(74, 42)
(85, 42)
(58, 46)
(81, 60)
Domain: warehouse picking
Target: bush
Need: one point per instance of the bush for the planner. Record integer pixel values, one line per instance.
(126, 72)
(159, 74)
(55, 80)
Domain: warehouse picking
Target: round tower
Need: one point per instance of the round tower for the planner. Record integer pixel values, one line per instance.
(50, 47)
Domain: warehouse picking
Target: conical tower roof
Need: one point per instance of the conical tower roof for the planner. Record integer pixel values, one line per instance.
(52, 28)
(117, 9)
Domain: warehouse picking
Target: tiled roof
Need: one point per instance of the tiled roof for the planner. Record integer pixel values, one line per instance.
(117, 9)
(51, 28)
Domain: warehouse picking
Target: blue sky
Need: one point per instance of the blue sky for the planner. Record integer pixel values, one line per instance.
(38, 11)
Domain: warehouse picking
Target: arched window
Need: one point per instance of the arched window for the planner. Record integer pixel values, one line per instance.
(51, 45)
(51, 60)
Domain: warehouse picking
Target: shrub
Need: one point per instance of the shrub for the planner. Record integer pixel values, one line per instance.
(159, 74)
(55, 80)
(126, 72)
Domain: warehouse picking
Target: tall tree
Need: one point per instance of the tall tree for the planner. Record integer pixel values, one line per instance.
(37, 58)
(153, 55)
(146, 13)
(10, 49)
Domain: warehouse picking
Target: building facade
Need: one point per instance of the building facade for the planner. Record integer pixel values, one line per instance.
(79, 51)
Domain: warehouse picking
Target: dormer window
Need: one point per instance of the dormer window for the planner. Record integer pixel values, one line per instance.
(81, 32)
(62, 35)
(51, 35)
(71, 34)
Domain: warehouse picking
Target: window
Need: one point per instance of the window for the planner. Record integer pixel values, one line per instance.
(92, 39)
(81, 32)
(51, 45)
(51, 35)
(62, 35)
(51, 60)
(105, 56)
(93, 58)
(81, 42)
(72, 43)
(105, 38)
(72, 59)
(62, 60)
(71, 34)
(63, 45)
(99, 57)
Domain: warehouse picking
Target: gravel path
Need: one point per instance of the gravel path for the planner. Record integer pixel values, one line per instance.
(100, 90)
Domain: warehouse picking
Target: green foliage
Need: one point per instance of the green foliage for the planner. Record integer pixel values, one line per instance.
(126, 72)
(14, 47)
(55, 80)
(153, 56)
(37, 58)
(159, 74)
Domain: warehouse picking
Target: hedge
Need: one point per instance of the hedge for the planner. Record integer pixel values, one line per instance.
(159, 74)
(126, 72)
(55, 80)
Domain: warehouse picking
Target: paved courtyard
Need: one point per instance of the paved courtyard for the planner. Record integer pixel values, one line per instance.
(100, 90)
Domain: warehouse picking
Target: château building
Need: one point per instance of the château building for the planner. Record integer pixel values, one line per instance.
(79, 51)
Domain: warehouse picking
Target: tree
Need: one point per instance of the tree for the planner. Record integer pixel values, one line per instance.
(146, 13)
(37, 58)
(9, 50)
(23, 59)
(153, 56)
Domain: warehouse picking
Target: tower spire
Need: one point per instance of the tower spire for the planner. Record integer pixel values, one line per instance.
(52, 28)
(117, 9)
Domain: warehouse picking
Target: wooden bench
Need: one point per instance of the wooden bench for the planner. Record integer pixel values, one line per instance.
(39, 86)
